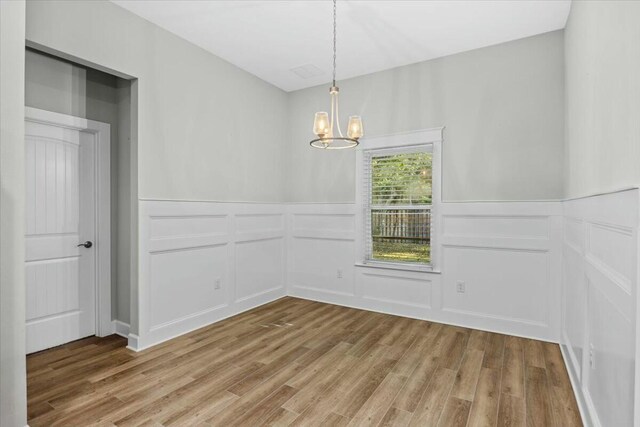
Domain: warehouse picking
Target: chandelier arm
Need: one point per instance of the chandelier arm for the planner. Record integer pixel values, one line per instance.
(335, 143)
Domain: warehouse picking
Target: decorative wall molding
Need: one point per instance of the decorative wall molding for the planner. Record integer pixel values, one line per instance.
(201, 262)
(502, 241)
(508, 256)
(599, 300)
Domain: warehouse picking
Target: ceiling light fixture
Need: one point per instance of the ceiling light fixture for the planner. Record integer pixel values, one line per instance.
(327, 129)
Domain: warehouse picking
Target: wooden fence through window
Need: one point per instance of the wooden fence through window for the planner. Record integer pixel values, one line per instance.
(401, 226)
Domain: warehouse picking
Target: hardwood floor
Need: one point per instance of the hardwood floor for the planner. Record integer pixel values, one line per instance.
(298, 362)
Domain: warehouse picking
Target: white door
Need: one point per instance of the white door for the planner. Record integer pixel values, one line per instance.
(60, 274)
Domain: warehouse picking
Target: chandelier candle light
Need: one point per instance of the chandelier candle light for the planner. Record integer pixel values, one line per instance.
(330, 136)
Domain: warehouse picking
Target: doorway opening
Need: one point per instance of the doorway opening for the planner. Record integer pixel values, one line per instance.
(78, 148)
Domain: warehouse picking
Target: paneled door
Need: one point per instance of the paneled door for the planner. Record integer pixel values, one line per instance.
(60, 234)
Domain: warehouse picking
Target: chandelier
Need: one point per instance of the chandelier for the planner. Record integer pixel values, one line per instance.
(327, 129)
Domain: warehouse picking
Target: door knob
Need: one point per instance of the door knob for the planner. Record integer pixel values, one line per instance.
(86, 244)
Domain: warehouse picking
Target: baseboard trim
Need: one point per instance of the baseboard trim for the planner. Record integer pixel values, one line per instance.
(403, 310)
(159, 336)
(120, 328)
(133, 342)
(589, 419)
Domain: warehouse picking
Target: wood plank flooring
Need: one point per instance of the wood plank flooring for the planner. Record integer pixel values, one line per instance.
(301, 363)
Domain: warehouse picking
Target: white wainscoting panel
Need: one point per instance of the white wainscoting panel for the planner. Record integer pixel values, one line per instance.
(322, 251)
(500, 283)
(600, 274)
(182, 283)
(259, 267)
(201, 262)
(508, 255)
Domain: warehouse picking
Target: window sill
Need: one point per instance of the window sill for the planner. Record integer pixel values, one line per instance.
(397, 267)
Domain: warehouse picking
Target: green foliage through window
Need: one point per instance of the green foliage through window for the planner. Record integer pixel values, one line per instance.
(401, 179)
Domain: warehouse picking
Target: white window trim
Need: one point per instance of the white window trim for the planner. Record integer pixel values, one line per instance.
(418, 138)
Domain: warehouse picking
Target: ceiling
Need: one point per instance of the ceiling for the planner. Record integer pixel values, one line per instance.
(288, 43)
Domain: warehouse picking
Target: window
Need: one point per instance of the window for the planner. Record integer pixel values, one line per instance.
(398, 197)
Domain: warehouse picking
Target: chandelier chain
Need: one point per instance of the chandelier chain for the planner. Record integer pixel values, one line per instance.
(334, 42)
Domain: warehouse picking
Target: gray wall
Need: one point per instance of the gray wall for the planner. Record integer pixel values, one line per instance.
(502, 107)
(206, 131)
(13, 391)
(602, 42)
(60, 86)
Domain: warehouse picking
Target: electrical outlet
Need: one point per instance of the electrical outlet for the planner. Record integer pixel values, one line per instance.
(592, 356)
(217, 283)
(339, 274)
(461, 287)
